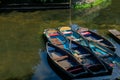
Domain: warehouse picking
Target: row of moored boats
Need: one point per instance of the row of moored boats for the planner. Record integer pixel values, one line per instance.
(78, 51)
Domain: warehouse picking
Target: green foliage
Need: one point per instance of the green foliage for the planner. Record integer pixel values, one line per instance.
(90, 5)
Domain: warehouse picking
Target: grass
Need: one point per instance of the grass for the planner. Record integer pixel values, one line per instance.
(21, 36)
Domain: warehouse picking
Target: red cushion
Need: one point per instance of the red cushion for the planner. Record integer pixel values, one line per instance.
(53, 34)
(85, 33)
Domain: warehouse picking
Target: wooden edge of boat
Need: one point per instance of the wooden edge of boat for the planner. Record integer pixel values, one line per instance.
(112, 47)
(63, 28)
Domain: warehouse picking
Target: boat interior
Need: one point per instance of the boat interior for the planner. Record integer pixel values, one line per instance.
(100, 50)
(66, 61)
(106, 56)
(91, 36)
(55, 37)
(71, 34)
(87, 59)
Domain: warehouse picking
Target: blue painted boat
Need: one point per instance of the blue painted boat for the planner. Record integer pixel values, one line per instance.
(92, 36)
(72, 35)
(64, 61)
(88, 59)
(105, 54)
(56, 38)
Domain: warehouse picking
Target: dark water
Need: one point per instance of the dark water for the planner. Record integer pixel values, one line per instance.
(43, 70)
(108, 15)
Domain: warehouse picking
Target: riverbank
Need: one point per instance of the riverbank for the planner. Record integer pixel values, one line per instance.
(33, 6)
(90, 5)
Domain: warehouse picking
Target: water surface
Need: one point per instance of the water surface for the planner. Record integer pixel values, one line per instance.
(100, 20)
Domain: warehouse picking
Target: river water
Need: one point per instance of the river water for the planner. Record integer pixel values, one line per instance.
(107, 16)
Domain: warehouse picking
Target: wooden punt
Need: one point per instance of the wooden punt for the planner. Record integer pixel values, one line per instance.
(72, 35)
(105, 54)
(92, 36)
(56, 38)
(88, 59)
(64, 61)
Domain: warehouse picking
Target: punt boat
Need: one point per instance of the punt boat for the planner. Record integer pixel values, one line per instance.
(92, 36)
(88, 59)
(105, 54)
(67, 32)
(56, 38)
(64, 61)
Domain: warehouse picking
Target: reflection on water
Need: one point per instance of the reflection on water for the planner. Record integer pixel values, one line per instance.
(90, 13)
(45, 72)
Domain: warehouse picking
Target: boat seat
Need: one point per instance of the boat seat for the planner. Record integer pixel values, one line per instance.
(98, 40)
(61, 58)
(61, 46)
(71, 38)
(55, 41)
(73, 70)
(67, 32)
(82, 29)
(76, 69)
(76, 40)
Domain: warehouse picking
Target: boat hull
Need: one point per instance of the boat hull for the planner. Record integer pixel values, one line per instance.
(88, 59)
(92, 36)
(74, 69)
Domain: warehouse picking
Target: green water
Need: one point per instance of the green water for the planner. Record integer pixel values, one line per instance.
(21, 34)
